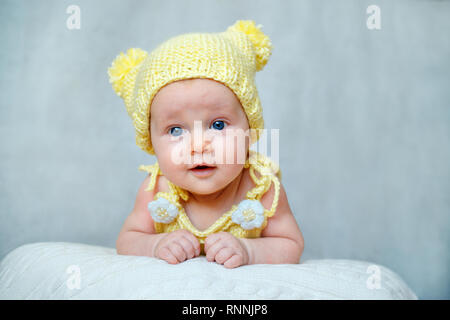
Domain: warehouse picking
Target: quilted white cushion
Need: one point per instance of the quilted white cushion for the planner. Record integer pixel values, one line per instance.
(78, 271)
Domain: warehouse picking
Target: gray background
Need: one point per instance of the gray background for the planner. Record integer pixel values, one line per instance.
(363, 115)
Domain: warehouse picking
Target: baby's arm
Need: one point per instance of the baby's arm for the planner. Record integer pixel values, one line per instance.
(281, 240)
(139, 238)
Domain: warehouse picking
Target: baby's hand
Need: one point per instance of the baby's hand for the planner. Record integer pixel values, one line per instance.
(226, 249)
(177, 246)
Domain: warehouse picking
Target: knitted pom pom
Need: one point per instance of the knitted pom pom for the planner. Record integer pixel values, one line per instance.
(260, 41)
(122, 65)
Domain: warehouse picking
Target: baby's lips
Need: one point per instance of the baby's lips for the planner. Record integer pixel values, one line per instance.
(202, 165)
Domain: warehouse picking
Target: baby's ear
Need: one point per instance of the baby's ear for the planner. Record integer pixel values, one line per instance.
(123, 71)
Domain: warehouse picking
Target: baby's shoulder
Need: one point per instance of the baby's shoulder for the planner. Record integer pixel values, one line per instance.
(145, 195)
(155, 180)
(162, 184)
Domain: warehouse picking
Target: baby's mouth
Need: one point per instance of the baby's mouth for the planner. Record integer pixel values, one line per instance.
(202, 170)
(202, 167)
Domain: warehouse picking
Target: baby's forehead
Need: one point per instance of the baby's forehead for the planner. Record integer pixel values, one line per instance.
(195, 95)
(180, 111)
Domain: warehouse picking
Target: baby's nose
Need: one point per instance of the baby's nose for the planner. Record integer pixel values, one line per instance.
(201, 142)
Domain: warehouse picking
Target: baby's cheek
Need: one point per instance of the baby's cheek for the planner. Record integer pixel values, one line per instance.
(236, 147)
(224, 151)
(180, 152)
(219, 148)
(169, 155)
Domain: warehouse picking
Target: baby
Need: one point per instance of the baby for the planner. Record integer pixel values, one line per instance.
(190, 100)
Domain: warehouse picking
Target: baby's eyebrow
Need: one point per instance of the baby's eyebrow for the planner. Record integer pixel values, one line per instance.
(223, 108)
(170, 117)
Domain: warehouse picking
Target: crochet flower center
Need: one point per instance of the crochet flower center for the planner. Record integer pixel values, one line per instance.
(162, 213)
(249, 215)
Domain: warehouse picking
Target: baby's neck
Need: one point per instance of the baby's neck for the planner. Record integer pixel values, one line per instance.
(221, 196)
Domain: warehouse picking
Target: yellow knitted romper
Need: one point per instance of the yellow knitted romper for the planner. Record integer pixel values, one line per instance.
(245, 220)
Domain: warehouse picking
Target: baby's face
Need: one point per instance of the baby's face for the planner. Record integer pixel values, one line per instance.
(194, 122)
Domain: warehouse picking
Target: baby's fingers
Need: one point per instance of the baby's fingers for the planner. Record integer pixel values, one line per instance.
(167, 255)
(178, 251)
(194, 242)
(213, 250)
(188, 247)
(234, 262)
(224, 254)
(211, 240)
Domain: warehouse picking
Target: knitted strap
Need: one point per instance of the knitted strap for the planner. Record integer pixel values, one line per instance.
(175, 192)
(154, 170)
(272, 210)
(223, 223)
(268, 173)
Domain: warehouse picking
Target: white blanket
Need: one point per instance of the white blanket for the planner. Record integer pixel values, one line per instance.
(78, 271)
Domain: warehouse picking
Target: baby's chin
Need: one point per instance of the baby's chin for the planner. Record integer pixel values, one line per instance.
(207, 182)
(204, 187)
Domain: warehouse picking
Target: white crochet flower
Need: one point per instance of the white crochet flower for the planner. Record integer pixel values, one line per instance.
(162, 210)
(249, 214)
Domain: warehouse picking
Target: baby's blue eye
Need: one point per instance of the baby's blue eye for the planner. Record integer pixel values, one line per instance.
(218, 125)
(176, 131)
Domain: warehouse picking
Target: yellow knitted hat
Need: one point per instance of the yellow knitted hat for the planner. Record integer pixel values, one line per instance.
(231, 57)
